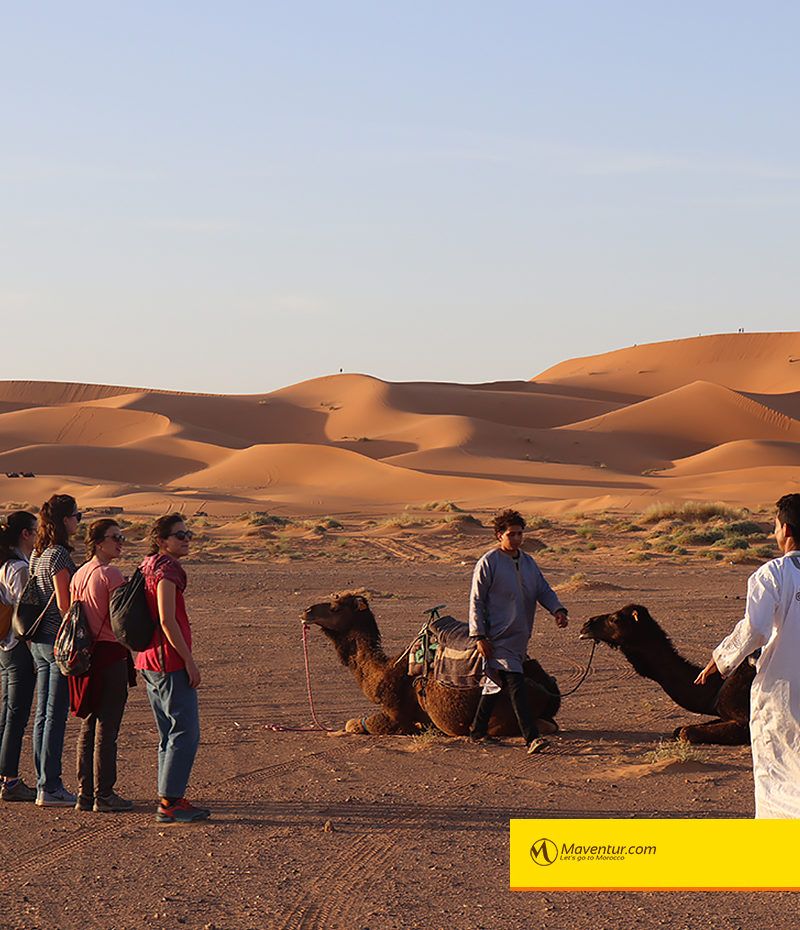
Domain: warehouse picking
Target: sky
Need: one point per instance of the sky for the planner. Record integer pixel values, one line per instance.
(236, 197)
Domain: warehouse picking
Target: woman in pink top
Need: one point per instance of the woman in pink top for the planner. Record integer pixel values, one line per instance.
(100, 696)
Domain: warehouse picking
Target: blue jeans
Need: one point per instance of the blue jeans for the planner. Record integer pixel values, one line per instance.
(52, 706)
(17, 676)
(174, 703)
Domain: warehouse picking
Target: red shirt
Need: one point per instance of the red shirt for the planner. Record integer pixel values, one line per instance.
(156, 568)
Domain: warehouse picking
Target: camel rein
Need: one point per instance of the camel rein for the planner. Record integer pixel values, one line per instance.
(583, 676)
(317, 725)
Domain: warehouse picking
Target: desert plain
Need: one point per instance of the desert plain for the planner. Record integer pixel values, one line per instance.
(647, 475)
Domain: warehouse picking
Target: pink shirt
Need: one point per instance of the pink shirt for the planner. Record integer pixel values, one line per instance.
(92, 585)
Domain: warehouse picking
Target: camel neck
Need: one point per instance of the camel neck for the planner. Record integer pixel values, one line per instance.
(365, 659)
(662, 663)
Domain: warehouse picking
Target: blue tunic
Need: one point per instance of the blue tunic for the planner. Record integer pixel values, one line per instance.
(502, 606)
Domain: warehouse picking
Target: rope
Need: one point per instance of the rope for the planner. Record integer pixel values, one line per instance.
(317, 725)
(583, 677)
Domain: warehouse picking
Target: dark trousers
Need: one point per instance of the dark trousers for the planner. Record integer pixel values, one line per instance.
(18, 678)
(97, 741)
(514, 684)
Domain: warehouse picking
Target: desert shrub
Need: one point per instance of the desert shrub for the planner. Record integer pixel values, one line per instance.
(699, 537)
(736, 542)
(764, 552)
(462, 519)
(440, 507)
(401, 520)
(262, 518)
(537, 523)
(585, 531)
(689, 512)
(746, 528)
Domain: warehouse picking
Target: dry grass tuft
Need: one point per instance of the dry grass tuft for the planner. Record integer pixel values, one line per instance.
(676, 750)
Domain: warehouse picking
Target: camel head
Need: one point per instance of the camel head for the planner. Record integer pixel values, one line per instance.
(626, 628)
(345, 614)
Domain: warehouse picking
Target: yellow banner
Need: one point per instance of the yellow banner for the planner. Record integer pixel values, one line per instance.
(654, 855)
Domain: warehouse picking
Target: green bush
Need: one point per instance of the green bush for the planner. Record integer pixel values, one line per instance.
(703, 537)
(746, 528)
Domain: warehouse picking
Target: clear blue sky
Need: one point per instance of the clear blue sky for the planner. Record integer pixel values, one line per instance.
(235, 197)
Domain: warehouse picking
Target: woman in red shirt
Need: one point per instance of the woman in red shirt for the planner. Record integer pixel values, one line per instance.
(170, 671)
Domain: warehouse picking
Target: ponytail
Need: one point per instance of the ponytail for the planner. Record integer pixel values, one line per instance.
(11, 530)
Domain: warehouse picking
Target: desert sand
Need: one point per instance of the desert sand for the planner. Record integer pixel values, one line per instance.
(704, 418)
(350, 482)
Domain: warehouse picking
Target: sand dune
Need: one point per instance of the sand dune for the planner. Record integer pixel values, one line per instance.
(716, 416)
(758, 362)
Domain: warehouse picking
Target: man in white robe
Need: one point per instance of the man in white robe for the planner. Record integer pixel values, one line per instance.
(772, 623)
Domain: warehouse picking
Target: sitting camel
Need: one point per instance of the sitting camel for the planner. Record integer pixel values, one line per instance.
(409, 704)
(650, 651)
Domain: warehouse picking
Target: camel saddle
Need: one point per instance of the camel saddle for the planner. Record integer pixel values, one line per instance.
(443, 651)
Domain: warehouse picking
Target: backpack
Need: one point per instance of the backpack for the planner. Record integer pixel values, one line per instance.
(74, 643)
(131, 620)
(28, 611)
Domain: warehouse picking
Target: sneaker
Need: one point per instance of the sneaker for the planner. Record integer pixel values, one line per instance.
(537, 745)
(19, 792)
(83, 803)
(58, 798)
(112, 804)
(181, 812)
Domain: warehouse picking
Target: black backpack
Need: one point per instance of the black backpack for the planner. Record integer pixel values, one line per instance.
(131, 620)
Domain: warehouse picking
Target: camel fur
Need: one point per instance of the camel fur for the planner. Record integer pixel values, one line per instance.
(408, 705)
(649, 650)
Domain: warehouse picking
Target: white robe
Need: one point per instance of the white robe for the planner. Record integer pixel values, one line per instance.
(772, 622)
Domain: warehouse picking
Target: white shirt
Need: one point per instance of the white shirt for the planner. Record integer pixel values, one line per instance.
(772, 623)
(13, 578)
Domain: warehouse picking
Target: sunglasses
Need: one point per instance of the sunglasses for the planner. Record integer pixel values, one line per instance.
(183, 535)
(78, 515)
(117, 537)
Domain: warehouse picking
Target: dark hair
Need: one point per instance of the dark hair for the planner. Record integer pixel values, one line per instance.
(506, 518)
(788, 508)
(96, 533)
(161, 529)
(52, 531)
(12, 529)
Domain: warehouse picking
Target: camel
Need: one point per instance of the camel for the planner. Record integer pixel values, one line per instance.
(408, 705)
(650, 651)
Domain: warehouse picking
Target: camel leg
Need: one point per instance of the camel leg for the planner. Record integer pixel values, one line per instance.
(719, 733)
(379, 724)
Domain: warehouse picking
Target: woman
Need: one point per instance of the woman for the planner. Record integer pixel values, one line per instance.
(16, 665)
(170, 671)
(99, 697)
(52, 567)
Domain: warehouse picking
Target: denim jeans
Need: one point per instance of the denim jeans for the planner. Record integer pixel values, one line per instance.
(174, 704)
(52, 706)
(18, 679)
(514, 684)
